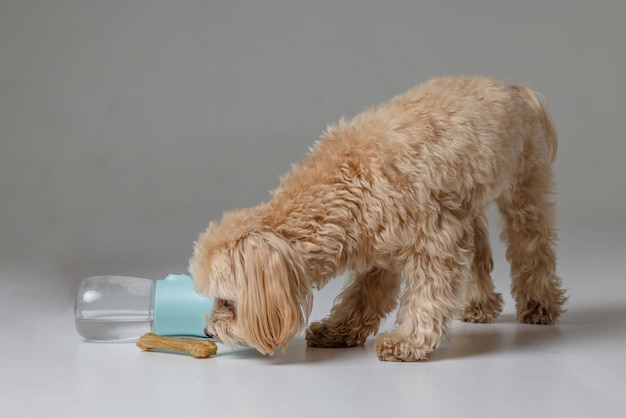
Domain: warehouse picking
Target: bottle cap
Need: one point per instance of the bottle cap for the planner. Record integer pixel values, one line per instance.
(178, 309)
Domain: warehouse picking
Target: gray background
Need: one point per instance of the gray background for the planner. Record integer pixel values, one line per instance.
(125, 126)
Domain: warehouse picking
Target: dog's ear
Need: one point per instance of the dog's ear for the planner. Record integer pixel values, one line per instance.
(274, 299)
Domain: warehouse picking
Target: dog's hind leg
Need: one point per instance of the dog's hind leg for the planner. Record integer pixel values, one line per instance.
(482, 303)
(433, 273)
(528, 215)
(358, 310)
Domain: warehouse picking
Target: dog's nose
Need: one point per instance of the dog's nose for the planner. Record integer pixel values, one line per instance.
(208, 334)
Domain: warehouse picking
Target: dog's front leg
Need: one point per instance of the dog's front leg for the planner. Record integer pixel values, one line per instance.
(433, 274)
(358, 310)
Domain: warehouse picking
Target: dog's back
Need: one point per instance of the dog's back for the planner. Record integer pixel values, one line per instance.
(449, 134)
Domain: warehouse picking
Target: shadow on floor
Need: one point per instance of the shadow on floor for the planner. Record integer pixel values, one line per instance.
(581, 325)
(577, 326)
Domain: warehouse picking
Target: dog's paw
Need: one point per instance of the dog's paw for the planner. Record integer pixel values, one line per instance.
(534, 312)
(482, 312)
(322, 334)
(392, 348)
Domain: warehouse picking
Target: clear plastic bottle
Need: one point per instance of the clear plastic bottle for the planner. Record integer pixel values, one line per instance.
(121, 308)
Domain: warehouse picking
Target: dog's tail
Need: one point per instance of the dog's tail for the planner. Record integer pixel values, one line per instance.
(538, 102)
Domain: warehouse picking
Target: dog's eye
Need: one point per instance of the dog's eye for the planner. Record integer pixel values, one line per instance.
(228, 307)
(227, 304)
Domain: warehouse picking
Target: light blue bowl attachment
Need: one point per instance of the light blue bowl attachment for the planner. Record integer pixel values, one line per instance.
(178, 309)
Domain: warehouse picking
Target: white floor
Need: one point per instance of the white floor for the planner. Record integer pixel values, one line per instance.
(574, 369)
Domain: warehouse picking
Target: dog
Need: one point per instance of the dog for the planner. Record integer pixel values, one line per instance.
(396, 197)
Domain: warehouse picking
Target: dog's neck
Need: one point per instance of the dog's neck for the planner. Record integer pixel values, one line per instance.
(322, 240)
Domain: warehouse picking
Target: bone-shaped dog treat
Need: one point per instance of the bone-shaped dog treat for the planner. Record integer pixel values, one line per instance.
(197, 348)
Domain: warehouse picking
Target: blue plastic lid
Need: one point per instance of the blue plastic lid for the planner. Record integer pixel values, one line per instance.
(178, 309)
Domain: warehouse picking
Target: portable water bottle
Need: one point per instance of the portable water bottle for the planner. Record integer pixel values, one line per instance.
(120, 308)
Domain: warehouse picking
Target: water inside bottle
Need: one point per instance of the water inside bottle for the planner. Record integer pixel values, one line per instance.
(113, 328)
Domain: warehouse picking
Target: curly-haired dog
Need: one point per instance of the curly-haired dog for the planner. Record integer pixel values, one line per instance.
(396, 196)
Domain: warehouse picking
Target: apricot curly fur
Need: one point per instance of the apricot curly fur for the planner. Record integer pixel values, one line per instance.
(396, 196)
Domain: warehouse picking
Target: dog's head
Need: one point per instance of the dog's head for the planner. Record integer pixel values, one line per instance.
(262, 297)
